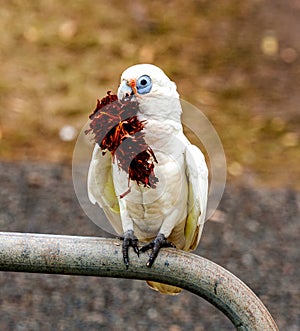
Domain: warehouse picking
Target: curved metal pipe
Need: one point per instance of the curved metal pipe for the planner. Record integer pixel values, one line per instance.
(92, 256)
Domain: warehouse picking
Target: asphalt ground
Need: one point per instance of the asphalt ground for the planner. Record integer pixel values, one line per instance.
(255, 235)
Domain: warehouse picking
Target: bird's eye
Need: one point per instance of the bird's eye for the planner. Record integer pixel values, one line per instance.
(144, 84)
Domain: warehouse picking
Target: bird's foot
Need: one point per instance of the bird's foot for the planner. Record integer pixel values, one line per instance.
(156, 244)
(129, 239)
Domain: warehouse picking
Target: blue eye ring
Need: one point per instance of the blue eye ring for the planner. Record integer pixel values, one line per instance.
(144, 84)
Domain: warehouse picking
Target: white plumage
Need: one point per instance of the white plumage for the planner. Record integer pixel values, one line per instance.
(175, 209)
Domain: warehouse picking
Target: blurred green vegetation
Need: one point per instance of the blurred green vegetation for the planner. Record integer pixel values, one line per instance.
(238, 61)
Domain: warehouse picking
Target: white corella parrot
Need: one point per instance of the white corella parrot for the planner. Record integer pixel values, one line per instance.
(171, 214)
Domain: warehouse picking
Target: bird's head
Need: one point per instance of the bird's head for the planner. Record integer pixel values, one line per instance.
(155, 92)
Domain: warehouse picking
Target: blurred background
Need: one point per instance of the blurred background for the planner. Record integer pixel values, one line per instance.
(238, 61)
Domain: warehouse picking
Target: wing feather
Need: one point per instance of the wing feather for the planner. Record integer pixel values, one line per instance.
(197, 174)
(101, 189)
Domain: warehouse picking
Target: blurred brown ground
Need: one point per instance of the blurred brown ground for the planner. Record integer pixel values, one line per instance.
(238, 61)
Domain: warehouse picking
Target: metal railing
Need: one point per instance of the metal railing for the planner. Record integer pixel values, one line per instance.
(92, 256)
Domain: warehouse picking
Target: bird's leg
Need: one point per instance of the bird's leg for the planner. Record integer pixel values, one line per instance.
(129, 239)
(156, 244)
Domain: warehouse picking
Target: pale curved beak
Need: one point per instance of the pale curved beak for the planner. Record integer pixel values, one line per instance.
(126, 89)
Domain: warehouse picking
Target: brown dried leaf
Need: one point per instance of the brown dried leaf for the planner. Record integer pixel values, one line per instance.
(117, 129)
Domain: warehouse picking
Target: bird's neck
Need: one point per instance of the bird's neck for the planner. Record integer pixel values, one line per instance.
(160, 108)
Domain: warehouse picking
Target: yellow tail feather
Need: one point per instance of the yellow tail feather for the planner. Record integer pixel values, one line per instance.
(163, 288)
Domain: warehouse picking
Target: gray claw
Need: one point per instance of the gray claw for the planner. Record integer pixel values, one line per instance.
(156, 244)
(129, 239)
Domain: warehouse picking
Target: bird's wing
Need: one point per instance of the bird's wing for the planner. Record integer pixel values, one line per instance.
(197, 174)
(101, 189)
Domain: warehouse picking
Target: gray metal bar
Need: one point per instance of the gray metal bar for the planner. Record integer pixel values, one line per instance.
(92, 256)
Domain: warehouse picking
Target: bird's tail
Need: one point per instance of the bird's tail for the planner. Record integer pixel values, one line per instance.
(163, 288)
